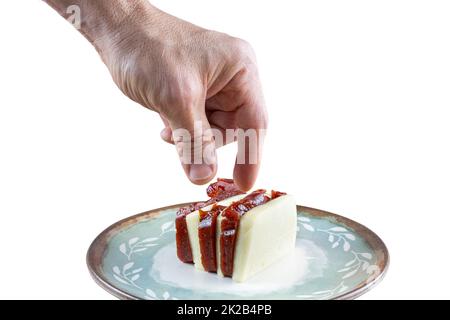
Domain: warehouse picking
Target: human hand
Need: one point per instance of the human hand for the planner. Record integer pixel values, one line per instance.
(194, 78)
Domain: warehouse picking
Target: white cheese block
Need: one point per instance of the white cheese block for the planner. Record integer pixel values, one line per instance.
(265, 234)
(193, 220)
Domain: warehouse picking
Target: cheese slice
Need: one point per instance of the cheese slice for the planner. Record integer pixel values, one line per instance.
(193, 220)
(265, 235)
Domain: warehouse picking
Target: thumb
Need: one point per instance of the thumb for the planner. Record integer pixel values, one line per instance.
(194, 142)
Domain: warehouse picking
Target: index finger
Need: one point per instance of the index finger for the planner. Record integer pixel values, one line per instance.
(252, 121)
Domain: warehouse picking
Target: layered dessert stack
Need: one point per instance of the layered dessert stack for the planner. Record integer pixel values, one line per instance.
(236, 234)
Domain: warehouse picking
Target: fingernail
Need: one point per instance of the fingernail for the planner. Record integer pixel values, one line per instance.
(198, 172)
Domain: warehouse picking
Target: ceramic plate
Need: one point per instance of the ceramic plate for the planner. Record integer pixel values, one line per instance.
(335, 258)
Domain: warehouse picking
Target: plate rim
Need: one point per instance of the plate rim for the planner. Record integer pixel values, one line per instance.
(99, 246)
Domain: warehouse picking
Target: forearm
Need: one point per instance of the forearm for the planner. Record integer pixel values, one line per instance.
(103, 20)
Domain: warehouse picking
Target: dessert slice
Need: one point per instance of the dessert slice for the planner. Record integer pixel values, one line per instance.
(201, 225)
(218, 191)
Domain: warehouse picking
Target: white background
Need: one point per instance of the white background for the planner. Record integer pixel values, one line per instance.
(358, 96)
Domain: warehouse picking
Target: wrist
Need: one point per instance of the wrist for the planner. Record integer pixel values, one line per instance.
(141, 26)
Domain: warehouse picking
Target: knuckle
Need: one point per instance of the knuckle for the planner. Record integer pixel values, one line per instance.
(182, 93)
(243, 49)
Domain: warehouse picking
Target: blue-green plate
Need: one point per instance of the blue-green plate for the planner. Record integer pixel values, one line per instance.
(335, 258)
